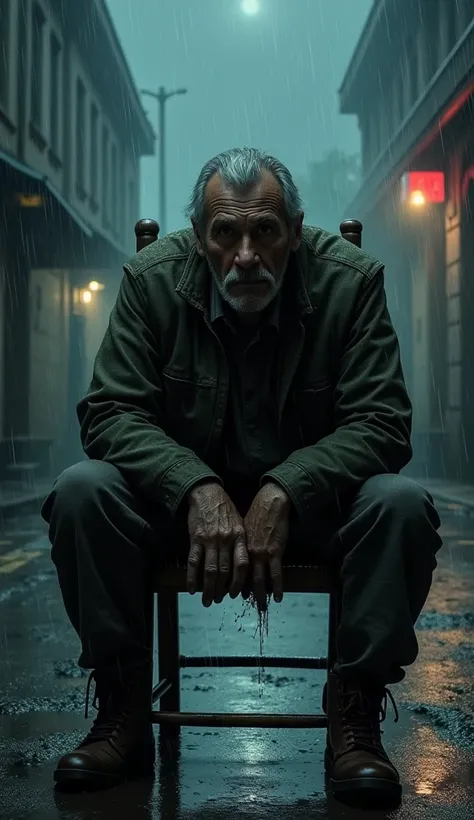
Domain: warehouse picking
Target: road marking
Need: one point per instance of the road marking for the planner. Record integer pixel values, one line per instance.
(5, 543)
(16, 559)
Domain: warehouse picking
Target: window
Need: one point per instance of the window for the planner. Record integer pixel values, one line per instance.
(5, 6)
(37, 66)
(94, 136)
(80, 136)
(105, 176)
(114, 180)
(55, 94)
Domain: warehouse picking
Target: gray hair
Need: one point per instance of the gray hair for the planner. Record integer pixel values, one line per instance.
(241, 168)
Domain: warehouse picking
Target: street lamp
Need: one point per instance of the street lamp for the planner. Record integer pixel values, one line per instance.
(162, 96)
(250, 7)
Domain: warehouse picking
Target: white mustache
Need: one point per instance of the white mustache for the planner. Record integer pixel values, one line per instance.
(235, 277)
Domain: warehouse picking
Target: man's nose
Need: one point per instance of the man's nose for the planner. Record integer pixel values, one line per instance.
(246, 256)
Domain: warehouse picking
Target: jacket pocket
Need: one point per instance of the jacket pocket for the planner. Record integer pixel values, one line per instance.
(315, 410)
(190, 409)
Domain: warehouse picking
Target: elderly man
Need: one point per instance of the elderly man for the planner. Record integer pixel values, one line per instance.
(247, 399)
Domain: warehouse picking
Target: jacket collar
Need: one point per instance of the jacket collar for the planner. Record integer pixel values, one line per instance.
(195, 282)
(219, 310)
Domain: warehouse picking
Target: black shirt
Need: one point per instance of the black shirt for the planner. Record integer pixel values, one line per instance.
(250, 440)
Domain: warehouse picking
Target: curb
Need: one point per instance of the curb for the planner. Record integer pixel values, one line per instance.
(453, 505)
(28, 503)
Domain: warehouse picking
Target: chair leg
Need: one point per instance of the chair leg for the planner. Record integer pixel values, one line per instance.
(168, 650)
(334, 617)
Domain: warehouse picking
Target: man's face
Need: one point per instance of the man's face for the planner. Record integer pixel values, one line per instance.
(247, 241)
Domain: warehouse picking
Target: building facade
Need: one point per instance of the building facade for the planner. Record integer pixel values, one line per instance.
(72, 131)
(410, 82)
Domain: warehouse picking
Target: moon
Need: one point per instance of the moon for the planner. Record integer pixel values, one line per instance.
(250, 7)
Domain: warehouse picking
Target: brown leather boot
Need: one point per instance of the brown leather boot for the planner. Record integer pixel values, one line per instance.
(359, 769)
(120, 744)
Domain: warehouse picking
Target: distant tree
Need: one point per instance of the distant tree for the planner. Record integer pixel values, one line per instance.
(328, 187)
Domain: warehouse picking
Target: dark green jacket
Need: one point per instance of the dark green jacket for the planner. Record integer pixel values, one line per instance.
(158, 397)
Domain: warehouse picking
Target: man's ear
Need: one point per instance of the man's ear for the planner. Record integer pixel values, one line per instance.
(197, 236)
(297, 232)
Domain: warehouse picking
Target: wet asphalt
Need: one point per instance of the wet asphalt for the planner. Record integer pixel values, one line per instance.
(232, 773)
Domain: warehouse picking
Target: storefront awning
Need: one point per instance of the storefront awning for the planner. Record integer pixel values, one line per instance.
(25, 170)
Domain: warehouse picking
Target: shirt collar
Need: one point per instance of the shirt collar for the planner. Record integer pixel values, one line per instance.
(220, 310)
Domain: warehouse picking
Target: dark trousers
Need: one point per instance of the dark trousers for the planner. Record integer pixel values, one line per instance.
(105, 541)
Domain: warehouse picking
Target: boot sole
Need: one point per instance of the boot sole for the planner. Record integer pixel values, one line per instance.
(363, 791)
(72, 780)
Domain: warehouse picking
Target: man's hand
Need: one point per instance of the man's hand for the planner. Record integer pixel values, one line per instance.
(266, 526)
(217, 535)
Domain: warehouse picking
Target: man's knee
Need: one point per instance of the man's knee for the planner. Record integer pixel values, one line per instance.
(79, 487)
(400, 496)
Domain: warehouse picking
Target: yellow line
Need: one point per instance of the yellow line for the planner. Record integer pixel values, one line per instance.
(11, 556)
(17, 558)
(12, 566)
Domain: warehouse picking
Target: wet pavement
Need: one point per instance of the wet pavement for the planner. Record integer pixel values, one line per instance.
(239, 773)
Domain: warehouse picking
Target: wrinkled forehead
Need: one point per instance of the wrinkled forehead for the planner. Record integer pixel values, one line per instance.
(265, 196)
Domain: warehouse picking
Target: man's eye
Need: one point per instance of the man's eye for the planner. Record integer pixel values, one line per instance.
(266, 229)
(224, 230)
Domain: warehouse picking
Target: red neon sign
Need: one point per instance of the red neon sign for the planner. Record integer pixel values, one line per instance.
(429, 184)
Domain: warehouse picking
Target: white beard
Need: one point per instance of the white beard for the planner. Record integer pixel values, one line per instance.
(251, 302)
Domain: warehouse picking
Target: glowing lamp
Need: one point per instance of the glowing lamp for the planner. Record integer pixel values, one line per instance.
(420, 188)
(418, 199)
(250, 7)
(30, 200)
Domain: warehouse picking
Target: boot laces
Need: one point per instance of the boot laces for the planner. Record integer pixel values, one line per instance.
(362, 713)
(108, 721)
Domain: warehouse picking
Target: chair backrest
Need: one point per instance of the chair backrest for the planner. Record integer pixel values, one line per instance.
(351, 229)
(147, 230)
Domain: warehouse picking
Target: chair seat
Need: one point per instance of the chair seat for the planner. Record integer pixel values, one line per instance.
(296, 578)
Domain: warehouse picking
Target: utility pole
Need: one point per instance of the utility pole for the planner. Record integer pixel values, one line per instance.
(162, 96)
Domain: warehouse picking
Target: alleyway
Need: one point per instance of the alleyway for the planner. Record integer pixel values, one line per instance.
(239, 773)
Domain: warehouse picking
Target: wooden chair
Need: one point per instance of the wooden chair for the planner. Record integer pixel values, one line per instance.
(172, 580)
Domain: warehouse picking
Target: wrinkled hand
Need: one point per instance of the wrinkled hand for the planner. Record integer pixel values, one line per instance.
(217, 536)
(266, 526)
